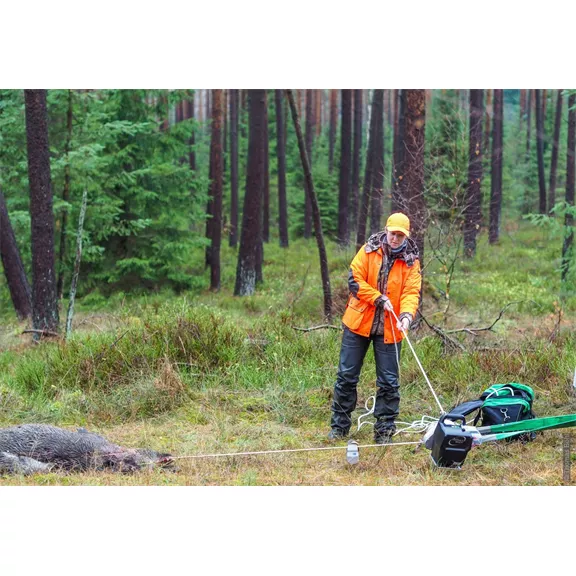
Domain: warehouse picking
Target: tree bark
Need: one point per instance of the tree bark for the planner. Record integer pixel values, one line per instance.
(65, 197)
(191, 141)
(332, 129)
(398, 200)
(224, 132)
(377, 167)
(318, 115)
(530, 105)
(281, 155)
(234, 101)
(251, 233)
(522, 107)
(200, 107)
(164, 120)
(487, 123)
(356, 153)
(315, 211)
(540, 152)
(473, 207)
(496, 180)
(309, 146)
(77, 261)
(266, 190)
(554, 161)
(13, 267)
(345, 157)
(216, 184)
(367, 187)
(414, 165)
(178, 113)
(568, 244)
(45, 316)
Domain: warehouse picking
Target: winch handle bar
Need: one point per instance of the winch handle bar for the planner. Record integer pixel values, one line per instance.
(546, 423)
(453, 418)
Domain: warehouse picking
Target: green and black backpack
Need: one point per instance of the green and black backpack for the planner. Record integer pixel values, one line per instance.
(504, 403)
(501, 404)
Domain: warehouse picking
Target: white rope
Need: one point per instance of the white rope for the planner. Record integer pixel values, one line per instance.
(194, 456)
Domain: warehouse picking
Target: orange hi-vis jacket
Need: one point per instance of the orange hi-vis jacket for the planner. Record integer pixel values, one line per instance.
(403, 289)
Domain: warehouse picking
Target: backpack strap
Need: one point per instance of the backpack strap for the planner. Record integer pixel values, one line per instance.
(466, 408)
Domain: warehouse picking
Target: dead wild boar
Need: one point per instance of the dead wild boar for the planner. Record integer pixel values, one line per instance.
(30, 448)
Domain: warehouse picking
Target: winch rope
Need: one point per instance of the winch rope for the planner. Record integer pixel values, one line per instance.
(287, 450)
(442, 411)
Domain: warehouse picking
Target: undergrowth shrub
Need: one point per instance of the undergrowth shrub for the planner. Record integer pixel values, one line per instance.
(198, 339)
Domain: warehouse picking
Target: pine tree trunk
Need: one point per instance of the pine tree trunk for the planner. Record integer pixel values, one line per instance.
(77, 261)
(332, 129)
(473, 207)
(191, 141)
(345, 158)
(540, 153)
(216, 184)
(318, 115)
(398, 195)
(309, 145)
(387, 106)
(367, 187)
(266, 190)
(165, 123)
(414, 165)
(377, 167)
(554, 161)
(522, 107)
(496, 180)
(266, 193)
(65, 198)
(224, 133)
(530, 105)
(209, 217)
(353, 212)
(487, 123)
(568, 244)
(281, 155)
(251, 233)
(13, 267)
(45, 315)
(315, 211)
(234, 101)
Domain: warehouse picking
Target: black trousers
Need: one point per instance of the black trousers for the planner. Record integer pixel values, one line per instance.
(352, 353)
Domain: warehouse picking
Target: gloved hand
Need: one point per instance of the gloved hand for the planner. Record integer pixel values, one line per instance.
(386, 303)
(403, 325)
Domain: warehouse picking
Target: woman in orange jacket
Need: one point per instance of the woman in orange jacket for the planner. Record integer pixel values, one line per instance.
(384, 276)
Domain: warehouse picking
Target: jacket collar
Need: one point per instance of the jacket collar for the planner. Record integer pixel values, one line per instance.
(378, 241)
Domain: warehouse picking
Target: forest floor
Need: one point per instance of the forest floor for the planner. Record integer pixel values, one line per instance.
(208, 373)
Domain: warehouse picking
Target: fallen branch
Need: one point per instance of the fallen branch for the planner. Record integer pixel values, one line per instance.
(443, 335)
(42, 332)
(488, 328)
(316, 328)
(472, 331)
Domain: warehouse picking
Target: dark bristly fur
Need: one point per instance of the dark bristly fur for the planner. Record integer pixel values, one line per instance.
(30, 448)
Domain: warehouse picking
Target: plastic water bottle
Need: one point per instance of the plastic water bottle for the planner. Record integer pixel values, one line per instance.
(352, 452)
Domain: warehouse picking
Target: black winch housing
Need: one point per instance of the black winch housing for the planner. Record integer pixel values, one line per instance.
(450, 442)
